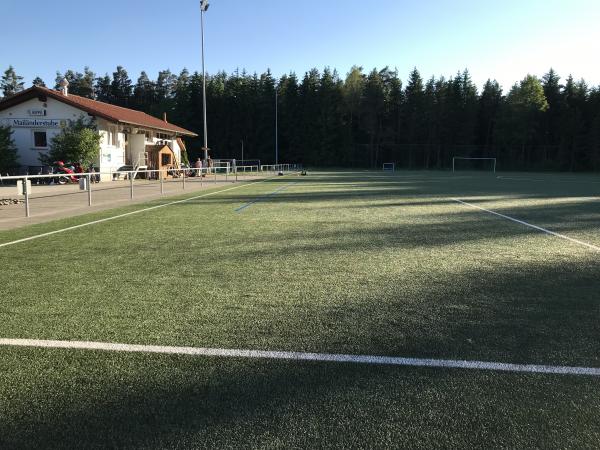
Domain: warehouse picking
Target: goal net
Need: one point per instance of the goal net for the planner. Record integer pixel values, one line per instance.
(389, 167)
(473, 164)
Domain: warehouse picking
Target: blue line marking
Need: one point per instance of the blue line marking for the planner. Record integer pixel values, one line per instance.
(264, 197)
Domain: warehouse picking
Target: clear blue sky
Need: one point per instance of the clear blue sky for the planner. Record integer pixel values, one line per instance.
(499, 39)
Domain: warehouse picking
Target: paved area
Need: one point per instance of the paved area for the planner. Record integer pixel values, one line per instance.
(49, 203)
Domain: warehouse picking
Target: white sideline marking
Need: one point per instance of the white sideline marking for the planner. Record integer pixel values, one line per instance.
(264, 197)
(544, 230)
(138, 211)
(301, 356)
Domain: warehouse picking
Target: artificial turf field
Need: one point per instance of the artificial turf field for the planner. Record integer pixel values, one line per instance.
(361, 263)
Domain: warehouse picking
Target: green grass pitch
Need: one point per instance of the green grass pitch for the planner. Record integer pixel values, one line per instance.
(365, 263)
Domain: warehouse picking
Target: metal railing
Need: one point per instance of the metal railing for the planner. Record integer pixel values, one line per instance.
(278, 167)
(26, 183)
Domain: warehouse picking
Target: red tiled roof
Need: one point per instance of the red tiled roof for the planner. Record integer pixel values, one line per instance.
(100, 109)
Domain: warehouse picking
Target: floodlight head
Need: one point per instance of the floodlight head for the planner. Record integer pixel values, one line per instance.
(204, 5)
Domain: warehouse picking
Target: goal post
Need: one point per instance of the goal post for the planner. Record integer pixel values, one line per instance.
(493, 162)
(389, 167)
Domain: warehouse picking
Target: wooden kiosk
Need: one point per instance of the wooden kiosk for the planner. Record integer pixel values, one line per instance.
(162, 158)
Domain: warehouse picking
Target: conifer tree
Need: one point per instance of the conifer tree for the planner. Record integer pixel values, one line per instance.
(374, 107)
(573, 124)
(102, 89)
(414, 95)
(121, 87)
(365, 119)
(525, 104)
(489, 107)
(290, 135)
(11, 83)
(551, 122)
(86, 83)
(144, 93)
(81, 84)
(165, 85)
(468, 111)
(37, 81)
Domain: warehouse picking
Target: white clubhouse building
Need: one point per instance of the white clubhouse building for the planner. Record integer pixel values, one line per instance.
(129, 137)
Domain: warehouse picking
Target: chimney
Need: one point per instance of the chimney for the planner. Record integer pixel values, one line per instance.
(165, 117)
(64, 87)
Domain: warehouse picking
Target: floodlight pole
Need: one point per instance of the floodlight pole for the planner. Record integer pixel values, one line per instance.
(203, 7)
(242, 141)
(276, 127)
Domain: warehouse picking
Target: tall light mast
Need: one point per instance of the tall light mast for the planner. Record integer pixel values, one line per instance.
(203, 8)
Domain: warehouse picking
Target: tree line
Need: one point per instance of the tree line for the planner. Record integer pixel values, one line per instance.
(366, 118)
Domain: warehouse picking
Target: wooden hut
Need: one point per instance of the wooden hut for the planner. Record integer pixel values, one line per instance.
(162, 158)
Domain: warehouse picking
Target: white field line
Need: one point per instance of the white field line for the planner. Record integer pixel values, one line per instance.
(543, 230)
(264, 197)
(138, 211)
(301, 356)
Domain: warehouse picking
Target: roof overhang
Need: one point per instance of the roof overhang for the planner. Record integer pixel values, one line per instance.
(177, 133)
(38, 92)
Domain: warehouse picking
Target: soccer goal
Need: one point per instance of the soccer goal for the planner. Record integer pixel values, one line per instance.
(389, 167)
(462, 163)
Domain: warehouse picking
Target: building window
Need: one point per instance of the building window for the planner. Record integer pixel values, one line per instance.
(148, 135)
(164, 137)
(40, 139)
(112, 136)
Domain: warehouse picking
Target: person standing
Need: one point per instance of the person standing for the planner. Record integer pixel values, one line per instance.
(198, 167)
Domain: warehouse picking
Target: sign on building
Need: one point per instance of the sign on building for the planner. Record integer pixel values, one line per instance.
(37, 112)
(35, 123)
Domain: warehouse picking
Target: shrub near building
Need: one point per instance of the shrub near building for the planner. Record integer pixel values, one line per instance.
(79, 142)
(8, 151)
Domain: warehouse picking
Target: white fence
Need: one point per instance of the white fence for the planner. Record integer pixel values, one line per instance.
(226, 173)
(280, 167)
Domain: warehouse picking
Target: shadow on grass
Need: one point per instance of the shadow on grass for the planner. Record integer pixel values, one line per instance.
(344, 188)
(130, 401)
(424, 229)
(508, 310)
(67, 399)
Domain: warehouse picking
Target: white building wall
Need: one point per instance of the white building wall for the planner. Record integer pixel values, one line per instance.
(112, 146)
(57, 115)
(176, 150)
(57, 112)
(171, 141)
(139, 137)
